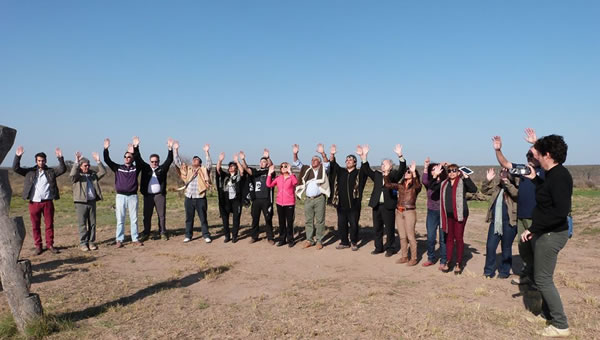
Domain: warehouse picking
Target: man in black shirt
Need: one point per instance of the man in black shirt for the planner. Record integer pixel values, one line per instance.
(348, 188)
(262, 196)
(549, 231)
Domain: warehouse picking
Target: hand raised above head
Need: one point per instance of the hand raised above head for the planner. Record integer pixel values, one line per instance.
(130, 148)
(170, 142)
(176, 145)
(530, 136)
(365, 149)
(320, 148)
(398, 150)
(242, 155)
(295, 148)
(58, 152)
(136, 141)
(266, 153)
(106, 143)
(221, 156)
(20, 151)
(77, 156)
(333, 149)
(96, 157)
(490, 174)
(359, 150)
(497, 142)
(413, 167)
(206, 147)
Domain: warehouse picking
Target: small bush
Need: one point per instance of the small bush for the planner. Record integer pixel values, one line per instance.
(8, 327)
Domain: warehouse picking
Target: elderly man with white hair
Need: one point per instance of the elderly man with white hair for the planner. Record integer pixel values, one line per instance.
(382, 200)
(314, 182)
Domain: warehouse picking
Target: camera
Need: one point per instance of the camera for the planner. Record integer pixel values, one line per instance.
(520, 170)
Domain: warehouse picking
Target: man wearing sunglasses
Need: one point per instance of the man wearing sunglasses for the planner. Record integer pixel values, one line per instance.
(153, 186)
(126, 186)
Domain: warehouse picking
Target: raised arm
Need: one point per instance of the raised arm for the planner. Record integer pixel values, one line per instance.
(321, 151)
(220, 162)
(244, 165)
(267, 155)
(74, 173)
(488, 185)
(271, 182)
(365, 168)
(17, 162)
(332, 162)
(101, 168)
(137, 157)
(396, 175)
(297, 163)
(497, 143)
(206, 149)
(112, 165)
(169, 159)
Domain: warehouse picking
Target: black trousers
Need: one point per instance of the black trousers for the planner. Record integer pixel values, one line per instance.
(231, 207)
(192, 206)
(348, 217)
(266, 207)
(383, 217)
(286, 223)
(151, 202)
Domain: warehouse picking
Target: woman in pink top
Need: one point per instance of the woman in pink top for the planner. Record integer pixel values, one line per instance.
(286, 201)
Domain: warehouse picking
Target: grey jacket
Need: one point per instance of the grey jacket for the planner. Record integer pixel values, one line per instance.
(31, 177)
(80, 182)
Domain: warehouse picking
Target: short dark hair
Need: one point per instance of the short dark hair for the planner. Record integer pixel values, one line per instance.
(265, 158)
(155, 155)
(232, 163)
(198, 158)
(40, 154)
(353, 157)
(554, 145)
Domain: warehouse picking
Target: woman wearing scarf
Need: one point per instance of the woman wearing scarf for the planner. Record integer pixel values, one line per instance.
(502, 216)
(229, 186)
(454, 211)
(406, 213)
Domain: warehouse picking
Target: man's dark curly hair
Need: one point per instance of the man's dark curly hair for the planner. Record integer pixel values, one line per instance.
(554, 145)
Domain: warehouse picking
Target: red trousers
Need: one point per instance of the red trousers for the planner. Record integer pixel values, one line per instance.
(36, 209)
(456, 231)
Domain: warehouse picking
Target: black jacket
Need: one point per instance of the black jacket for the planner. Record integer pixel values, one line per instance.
(146, 170)
(553, 201)
(389, 198)
(31, 177)
(345, 182)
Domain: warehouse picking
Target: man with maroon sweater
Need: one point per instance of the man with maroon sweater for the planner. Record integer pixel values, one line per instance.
(126, 185)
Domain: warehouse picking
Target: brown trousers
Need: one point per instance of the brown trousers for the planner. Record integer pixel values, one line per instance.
(405, 222)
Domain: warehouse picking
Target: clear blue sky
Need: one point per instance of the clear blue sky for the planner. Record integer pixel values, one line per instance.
(439, 77)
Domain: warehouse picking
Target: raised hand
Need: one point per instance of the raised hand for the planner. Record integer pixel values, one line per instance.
(176, 145)
(271, 169)
(242, 155)
(106, 143)
(136, 141)
(96, 157)
(295, 149)
(490, 174)
(365, 149)
(398, 150)
(206, 148)
(530, 136)
(413, 167)
(427, 162)
(320, 148)
(20, 150)
(359, 150)
(266, 153)
(170, 142)
(77, 156)
(333, 149)
(497, 142)
(437, 170)
(130, 148)
(235, 157)
(58, 152)
(221, 156)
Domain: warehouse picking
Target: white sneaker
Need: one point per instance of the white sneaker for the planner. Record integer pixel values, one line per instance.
(554, 332)
(186, 240)
(207, 240)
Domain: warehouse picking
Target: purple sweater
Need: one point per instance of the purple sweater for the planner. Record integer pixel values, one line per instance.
(431, 203)
(126, 177)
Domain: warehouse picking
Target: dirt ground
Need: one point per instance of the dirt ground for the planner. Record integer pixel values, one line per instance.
(172, 290)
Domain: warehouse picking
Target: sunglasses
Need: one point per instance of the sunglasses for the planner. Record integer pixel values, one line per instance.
(452, 170)
(154, 162)
(127, 157)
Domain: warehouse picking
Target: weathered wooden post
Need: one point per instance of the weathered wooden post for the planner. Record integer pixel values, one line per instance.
(15, 273)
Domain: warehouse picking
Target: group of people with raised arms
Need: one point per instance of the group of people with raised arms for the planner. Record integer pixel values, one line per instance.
(533, 197)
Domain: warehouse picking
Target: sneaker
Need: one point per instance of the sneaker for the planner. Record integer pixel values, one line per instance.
(84, 247)
(119, 244)
(354, 247)
(207, 239)
(93, 246)
(38, 251)
(164, 237)
(444, 268)
(554, 332)
(186, 240)
(319, 245)
(138, 243)
(342, 246)
(306, 244)
(54, 250)
(532, 318)
(427, 264)
(412, 262)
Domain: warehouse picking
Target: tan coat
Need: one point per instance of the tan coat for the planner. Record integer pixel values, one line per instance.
(510, 197)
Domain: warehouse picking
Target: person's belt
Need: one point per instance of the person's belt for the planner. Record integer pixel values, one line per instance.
(401, 209)
(319, 195)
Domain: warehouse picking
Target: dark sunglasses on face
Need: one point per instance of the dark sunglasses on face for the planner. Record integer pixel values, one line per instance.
(153, 161)
(452, 170)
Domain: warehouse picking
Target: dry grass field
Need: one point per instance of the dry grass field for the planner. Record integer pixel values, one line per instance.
(172, 290)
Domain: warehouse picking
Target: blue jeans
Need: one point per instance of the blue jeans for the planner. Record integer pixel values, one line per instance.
(508, 235)
(433, 225)
(123, 204)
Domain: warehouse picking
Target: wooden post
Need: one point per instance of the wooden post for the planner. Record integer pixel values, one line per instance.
(15, 273)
